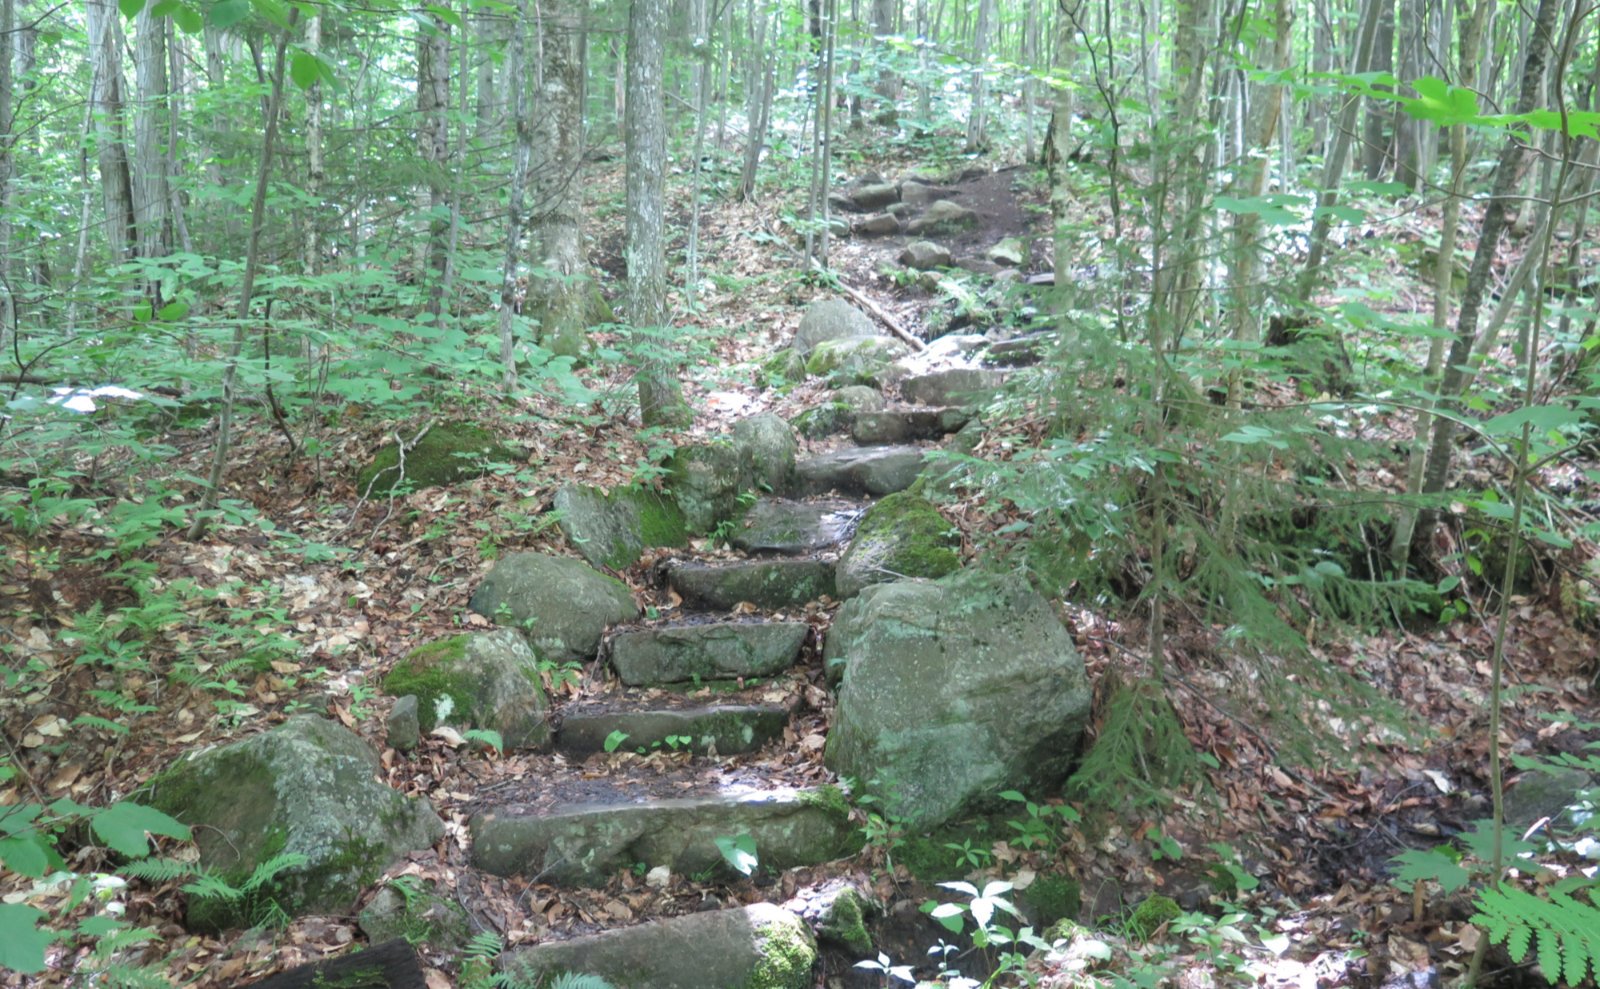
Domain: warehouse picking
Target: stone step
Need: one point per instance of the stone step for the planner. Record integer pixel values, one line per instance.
(771, 584)
(1021, 351)
(952, 386)
(777, 525)
(758, 945)
(865, 470)
(573, 831)
(725, 729)
(906, 425)
(710, 651)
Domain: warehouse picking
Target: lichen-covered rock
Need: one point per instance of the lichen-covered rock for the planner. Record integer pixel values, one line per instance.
(706, 479)
(715, 651)
(925, 255)
(861, 398)
(306, 787)
(562, 606)
(953, 691)
(783, 368)
(611, 530)
(900, 537)
(875, 195)
(767, 448)
(823, 420)
(943, 216)
(1009, 253)
(404, 724)
(873, 470)
(855, 360)
(830, 319)
(447, 453)
(763, 583)
(761, 946)
(792, 527)
(952, 386)
(485, 680)
(878, 225)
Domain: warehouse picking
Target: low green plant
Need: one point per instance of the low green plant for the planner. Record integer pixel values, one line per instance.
(1006, 949)
(739, 851)
(1042, 828)
(477, 970)
(615, 739)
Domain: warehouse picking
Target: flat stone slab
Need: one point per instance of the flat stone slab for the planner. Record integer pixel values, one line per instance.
(905, 425)
(714, 651)
(871, 470)
(774, 525)
(954, 386)
(761, 945)
(584, 844)
(727, 729)
(763, 583)
(1021, 351)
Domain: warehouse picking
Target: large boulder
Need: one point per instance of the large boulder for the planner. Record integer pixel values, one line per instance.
(761, 946)
(873, 470)
(611, 530)
(925, 255)
(706, 479)
(830, 319)
(715, 651)
(766, 448)
(943, 217)
(447, 453)
(488, 680)
(855, 360)
(952, 386)
(563, 606)
(901, 536)
(307, 787)
(953, 691)
(763, 583)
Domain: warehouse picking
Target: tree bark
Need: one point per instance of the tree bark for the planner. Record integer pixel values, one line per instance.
(105, 99)
(433, 144)
(151, 200)
(521, 164)
(559, 291)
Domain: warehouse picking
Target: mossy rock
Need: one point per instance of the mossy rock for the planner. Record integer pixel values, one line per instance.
(1051, 898)
(447, 453)
(901, 536)
(612, 530)
(786, 367)
(824, 420)
(854, 360)
(486, 680)
(1150, 915)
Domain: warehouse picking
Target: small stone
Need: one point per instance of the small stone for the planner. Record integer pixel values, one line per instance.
(1009, 253)
(405, 729)
(880, 225)
(658, 878)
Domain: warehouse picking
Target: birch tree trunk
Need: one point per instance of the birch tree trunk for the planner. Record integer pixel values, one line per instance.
(151, 200)
(433, 145)
(977, 123)
(759, 81)
(522, 158)
(559, 291)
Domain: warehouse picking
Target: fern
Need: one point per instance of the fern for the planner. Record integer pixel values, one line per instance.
(1567, 930)
(159, 870)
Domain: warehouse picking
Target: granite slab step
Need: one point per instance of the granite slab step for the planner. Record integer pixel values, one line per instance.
(770, 584)
(580, 832)
(726, 729)
(709, 651)
(865, 470)
(906, 425)
(777, 525)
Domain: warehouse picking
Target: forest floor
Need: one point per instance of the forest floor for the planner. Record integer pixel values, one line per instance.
(1319, 836)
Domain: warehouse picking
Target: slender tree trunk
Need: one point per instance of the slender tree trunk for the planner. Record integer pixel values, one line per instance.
(151, 200)
(116, 183)
(977, 122)
(489, 100)
(660, 395)
(560, 290)
(516, 82)
(315, 167)
(433, 144)
(888, 84)
(8, 301)
(1375, 144)
(758, 98)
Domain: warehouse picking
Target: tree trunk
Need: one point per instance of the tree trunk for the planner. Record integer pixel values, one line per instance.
(660, 395)
(151, 199)
(1375, 134)
(977, 123)
(315, 169)
(559, 291)
(433, 145)
(759, 83)
(8, 307)
(116, 184)
(888, 84)
(521, 164)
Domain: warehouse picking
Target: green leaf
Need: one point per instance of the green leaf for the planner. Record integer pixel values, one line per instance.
(173, 311)
(739, 851)
(1273, 208)
(130, 8)
(1540, 417)
(28, 856)
(1417, 864)
(188, 19)
(305, 70)
(272, 10)
(22, 944)
(227, 13)
(123, 826)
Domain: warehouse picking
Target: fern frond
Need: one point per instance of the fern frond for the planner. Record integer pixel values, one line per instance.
(159, 870)
(485, 945)
(1566, 929)
(573, 980)
(266, 871)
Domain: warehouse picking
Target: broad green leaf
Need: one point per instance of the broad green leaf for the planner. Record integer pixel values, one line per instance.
(445, 14)
(188, 19)
(22, 944)
(25, 856)
(1540, 417)
(130, 8)
(1346, 214)
(1378, 188)
(304, 70)
(1274, 208)
(100, 925)
(227, 13)
(123, 826)
(272, 10)
(173, 311)
(1434, 864)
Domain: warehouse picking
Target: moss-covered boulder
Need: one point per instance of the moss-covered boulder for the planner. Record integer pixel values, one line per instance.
(611, 530)
(854, 361)
(767, 449)
(786, 367)
(954, 691)
(447, 453)
(486, 680)
(706, 479)
(562, 606)
(305, 788)
(830, 319)
(901, 536)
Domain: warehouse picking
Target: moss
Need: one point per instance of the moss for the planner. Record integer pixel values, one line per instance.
(823, 420)
(786, 957)
(785, 366)
(827, 798)
(428, 672)
(1053, 898)
(661, 521)
(845, 922)
(448, 453)
(721, 728)
(930, 857)
(1150, 915)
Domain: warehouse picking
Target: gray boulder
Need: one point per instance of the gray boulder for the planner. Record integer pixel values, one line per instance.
(953, 386)
(872, 470)
(900, 537)
(880, 225)
(953, 691)
(823, 420)
(611, 530)
(448, 453)
(855, 360)
(761, 946)
(486, 680)
(1009, 253)
(404, 725)
(830, 319)
(766, 447)
(717, 651)
(306, 787)
(876, 195)
(905, 425)
(925, 255)
(792, 527)
(706, 479)
(917, 193)
(941, 217)
(563, 605)
(861, 398)
(763, 583)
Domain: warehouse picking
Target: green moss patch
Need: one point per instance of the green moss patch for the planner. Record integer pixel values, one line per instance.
(448, 453)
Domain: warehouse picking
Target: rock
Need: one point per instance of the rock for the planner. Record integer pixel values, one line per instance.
(861, 398)
(838, 228)
(830, 319)
(404, 727)
(956, 344)
(853, 361)
(763, 583)
(955, 690)
(423, 917)
(925, 255)
(916, 193)
(611, 530)
(615, 826)
(791, 527)
(930, 282)
(941, 217)
(1539, 794)
(905, 425)
(1023, 350)
(447, 453)
(761, 946)
(966, 173)
(978, 266)
(716, 651)
(1007, 276)
(953, 386)
(766, 447)
(563, 605)
(838, 912)
(486, 680)
(1009, 253)
(1042, 278)
(306, 787)
(880, 225)
(899, 210)
(823, 420)
(876, 196)
(873, 470)
(727, 729)
(783, 368)
(705, 479)
(900, 537)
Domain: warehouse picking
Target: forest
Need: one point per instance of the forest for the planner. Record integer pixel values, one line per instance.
(502, 493)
